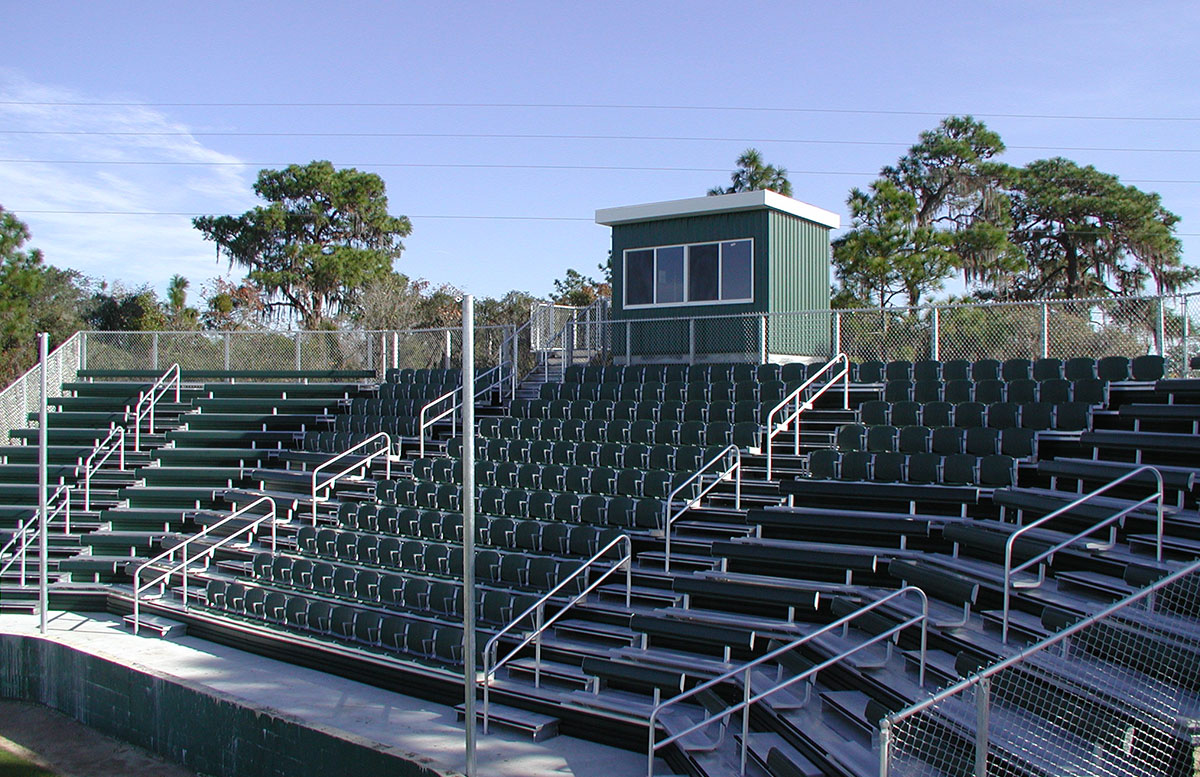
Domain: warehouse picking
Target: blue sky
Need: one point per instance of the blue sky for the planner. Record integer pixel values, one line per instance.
(444, 100)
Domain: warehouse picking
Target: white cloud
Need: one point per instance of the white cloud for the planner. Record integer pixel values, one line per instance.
(65, 176)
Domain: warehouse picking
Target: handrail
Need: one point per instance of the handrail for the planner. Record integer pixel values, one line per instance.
(23, 537)
(515, 377)
(1010, 570)
(250, 528)
(424, 424)
(670, 518)
(115, 442)
(491, 660)
(150, 399)
(749, 698)
(774, 429)
(362, 464)
(887, 723)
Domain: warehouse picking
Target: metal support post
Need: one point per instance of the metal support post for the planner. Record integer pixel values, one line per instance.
(837, 334)
(1162, 328)
(762, 340)
(691, 341)
(982, 698)
(395, 349)
(468, 509)
(1186, 368)
(1045, 331)
(447, 345)
(934, 335)
(43, 486)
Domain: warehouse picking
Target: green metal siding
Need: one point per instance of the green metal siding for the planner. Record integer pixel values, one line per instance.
(799, 281)
(791, 272)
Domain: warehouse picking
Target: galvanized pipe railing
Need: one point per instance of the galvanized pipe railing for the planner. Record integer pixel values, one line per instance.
(453, 400)
(148, 400)
(113, 443)
(361, 464)
(28, 533)
(796, 397)
(1111, 522)
(749, 698)
(205, 553)
(491, 660)
(732, 471)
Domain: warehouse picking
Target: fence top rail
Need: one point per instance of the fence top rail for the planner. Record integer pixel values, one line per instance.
(599, 555)
(1038, 647)
(779, 651)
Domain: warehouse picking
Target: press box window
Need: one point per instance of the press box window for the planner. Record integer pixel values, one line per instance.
(696, 273)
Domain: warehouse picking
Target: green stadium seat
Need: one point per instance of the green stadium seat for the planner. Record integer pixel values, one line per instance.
(959, 391)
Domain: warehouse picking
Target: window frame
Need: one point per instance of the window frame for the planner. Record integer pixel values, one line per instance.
(626, 305)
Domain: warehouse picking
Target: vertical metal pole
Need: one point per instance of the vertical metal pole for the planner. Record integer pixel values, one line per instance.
(762, 339)
(370, 352)
(691, 341)
(83, 340)
(982, 694)
(885, 745)
(396, 349)
(1162, 328)
(43, 484)
(837, 334)
(468, 505)
(154, 351)
(296, 337)
(447, 345)
(934, 335)
(1045, 331)
(1186, 369)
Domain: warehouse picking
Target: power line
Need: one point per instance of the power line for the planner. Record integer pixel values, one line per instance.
(553, 136)
(489, 166)
(481, 217)
(597, 106)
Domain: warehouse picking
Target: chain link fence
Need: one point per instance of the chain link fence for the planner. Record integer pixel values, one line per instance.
(23, 396)
(1117, 693)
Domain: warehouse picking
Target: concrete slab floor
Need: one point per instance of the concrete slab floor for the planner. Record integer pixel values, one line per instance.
(408, 724)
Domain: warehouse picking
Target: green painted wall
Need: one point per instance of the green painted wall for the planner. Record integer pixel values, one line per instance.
(188, 724)
(799, 281)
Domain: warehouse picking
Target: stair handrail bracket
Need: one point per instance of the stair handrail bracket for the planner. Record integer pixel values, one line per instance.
(797, 397)
(362, 464)
(29, 531)
(113, 443)
(148, 400)
(204, 554)
(732, 454)
(1111, 522)
(749, 698)
(491, 660)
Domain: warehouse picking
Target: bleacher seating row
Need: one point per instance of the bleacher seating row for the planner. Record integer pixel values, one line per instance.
(976, 440)
(1063, 416)
(645, 432)
(991, 470)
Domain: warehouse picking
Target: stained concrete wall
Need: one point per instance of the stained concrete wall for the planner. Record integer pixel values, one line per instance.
(187, 723)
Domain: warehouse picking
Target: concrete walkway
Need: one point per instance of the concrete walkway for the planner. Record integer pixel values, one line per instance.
(428, 731)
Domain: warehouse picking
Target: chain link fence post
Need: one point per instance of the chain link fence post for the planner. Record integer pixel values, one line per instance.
(1045, 331)
(934, 330)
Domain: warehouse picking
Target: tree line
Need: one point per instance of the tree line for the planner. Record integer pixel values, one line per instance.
(321, 251)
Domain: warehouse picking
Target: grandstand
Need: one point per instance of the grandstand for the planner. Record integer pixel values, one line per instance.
(875, 561)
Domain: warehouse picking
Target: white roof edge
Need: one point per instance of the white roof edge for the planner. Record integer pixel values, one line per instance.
(724, 203)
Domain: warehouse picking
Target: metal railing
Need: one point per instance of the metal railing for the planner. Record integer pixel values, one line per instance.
(23, 395)
(1109, 694)
(148, 401)
(492, 379)
(802, 403)
(29, 532)
(205, 553)
(113, 443)
(491, 660)
(362, 464)
(1010, 571)
(749, 698)
(734, 468)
